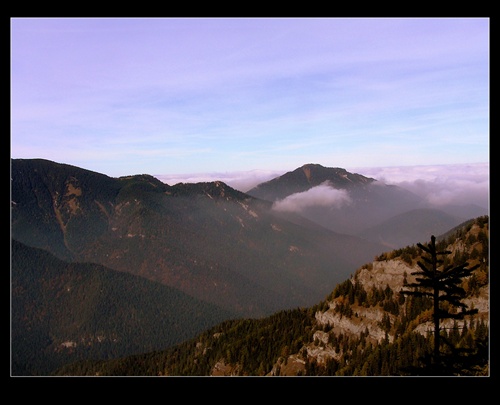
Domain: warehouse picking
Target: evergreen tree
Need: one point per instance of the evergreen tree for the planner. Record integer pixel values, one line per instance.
(441, 283)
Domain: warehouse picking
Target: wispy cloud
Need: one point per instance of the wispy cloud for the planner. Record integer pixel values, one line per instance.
(267, 90)
(323, 195)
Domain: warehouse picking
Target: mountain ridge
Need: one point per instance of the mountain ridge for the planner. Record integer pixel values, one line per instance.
(206, 239)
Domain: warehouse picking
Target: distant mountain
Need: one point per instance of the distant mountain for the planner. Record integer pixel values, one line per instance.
(367, 208)
(368, 202)
(364, 327)
(411, 227)
(63, 312)
(208, 240)
(464, 211)
(306, 177)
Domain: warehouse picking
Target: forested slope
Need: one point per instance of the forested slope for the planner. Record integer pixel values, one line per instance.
(62, 312)
(365, 327)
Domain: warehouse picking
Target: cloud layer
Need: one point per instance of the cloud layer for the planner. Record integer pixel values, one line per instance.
(438, 184)
(323, 195)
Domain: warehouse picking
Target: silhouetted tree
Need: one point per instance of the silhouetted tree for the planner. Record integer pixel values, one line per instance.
(441, 283)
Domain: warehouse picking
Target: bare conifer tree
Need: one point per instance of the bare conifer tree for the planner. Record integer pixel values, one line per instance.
(442, 284)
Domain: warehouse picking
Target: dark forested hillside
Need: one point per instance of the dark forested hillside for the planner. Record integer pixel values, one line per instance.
(62, 312)
(364, 327)
(207, 239)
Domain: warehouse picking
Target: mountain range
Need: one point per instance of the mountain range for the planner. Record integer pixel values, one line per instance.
(364, 327)
(206, 239)
(233, 254)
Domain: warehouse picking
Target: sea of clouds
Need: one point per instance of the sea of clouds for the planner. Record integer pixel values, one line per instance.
(459, 184)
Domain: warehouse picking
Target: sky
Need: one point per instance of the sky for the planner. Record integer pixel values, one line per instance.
(249, 98)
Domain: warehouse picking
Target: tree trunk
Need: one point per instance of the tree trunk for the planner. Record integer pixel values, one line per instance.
(436, 300)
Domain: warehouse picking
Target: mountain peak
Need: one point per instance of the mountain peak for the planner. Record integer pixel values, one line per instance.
(306, 177)
(309, 168)
(315, 174)
(312, 165)
(314, 171)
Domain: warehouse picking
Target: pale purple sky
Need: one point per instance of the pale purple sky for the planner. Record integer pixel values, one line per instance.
(172, 96)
